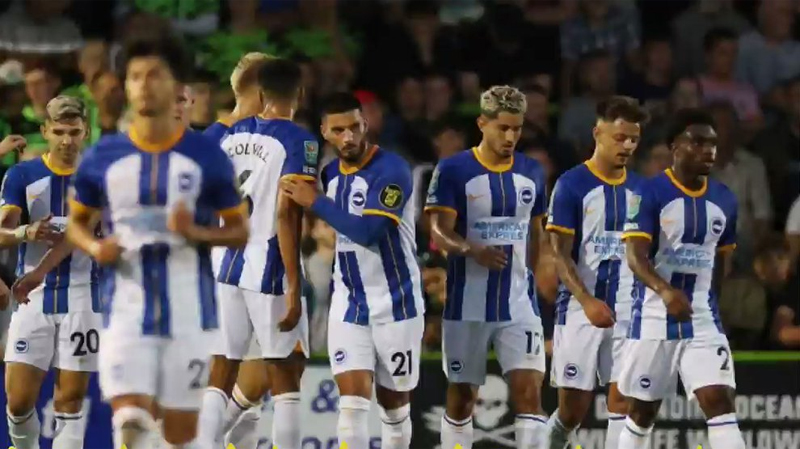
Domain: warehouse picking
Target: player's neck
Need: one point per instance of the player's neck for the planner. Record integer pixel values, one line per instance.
(56, 164)
(606, 170)
(278, 111)
(154, 130)
(689, 180)
(492, 158)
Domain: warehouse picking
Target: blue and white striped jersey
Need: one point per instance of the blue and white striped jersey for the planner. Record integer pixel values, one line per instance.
(380, 283)
(494, 206)
(687, 229)
(217, 132)
(263, 152)
(38, 190)
(162, 284)
(593, 209)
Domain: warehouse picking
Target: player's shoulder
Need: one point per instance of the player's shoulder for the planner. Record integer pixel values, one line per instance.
(202, 149)
(633, 180)
(283, 130)
(578, 179)
(718, 192)
(108, 148)
(388, 162)
(26, 170)
(245, 125)
(330, 171)
(457, 162)
(527, 166)
(217, 130)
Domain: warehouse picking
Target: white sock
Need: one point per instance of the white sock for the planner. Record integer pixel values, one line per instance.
(237, 405)
(557, 435)
(190, 445)
(286, 421)
(209, 421)
(616, 423)
(24, 430)
(69, 431)
(456, 433)
(134, 428)
(396, 428)
(723, 432)
(529, 431)
(633, 436)
(243, 434)
(353, 425)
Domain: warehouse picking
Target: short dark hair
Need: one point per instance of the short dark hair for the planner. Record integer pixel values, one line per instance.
(773, 245)
(621, 107)
(340, 102)
(446, 124)
(684, 119)
(717, 35)
(280, 78)
(168, 48)
(45, 65)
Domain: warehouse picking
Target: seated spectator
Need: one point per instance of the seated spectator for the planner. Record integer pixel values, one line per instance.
(755, 308)
(653, 86)
(769, 55)
(598, 79)
(654, 160)
(42, 84)
(718, 84)
(539, 128)
(690, 28)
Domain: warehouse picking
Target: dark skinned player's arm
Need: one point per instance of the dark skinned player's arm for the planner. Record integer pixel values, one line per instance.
(562, 242)
(289, 231)
(443, 231)
(536, 230)
(637, 250)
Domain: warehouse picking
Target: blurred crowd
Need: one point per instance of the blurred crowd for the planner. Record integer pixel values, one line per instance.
(418, 68)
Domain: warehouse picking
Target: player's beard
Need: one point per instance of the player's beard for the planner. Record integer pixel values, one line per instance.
(352, 154)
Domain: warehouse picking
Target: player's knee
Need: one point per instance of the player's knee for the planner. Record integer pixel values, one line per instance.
(69, 399)
(180, 427)
(643, 413)
(132, 422)
(716, 401)
(461, 399)
(20, 402)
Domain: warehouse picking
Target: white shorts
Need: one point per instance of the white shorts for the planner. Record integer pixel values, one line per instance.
(245, 313)
(67, 341)
(650, 368)
(173, 370)
(253, 348)
(465, 347)
(390, 350)
(585, 356)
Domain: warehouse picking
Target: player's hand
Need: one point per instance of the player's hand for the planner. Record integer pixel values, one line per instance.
(598, 313)
(25, 284)
(489, 257)
(301, 192)
(44, 231)
(294, 310)
(106, 251)
(13, 142)
(181, 220)
(678, 304)
(5, 295)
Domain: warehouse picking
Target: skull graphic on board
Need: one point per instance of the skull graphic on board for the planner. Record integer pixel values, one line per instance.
(492, 404)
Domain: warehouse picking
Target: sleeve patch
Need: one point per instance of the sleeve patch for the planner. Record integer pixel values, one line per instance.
(633, 206)
(311, 151)
(391, 196)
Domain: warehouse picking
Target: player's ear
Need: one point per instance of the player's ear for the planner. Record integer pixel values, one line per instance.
(481, 121)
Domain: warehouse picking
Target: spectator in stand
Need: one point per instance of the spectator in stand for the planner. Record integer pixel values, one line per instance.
(109, 101)
(654, 160)
(42, 84)
(778, 146)
(39, 27)
(380, 131)
(448, 139)
(599, 26)
(438, 96)
(690, 28)
(770, 55)
(743, 173)
(793, 231)
(755, 308)
(578, 118)
(410, 119)
(538, 127)
(718, 83)
(202, 86)
(653, 86)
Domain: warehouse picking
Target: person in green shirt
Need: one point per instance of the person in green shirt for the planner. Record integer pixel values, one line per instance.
(42, 83)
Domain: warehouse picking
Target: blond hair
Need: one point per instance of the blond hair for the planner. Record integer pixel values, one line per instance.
(246, 71)
(503, 99)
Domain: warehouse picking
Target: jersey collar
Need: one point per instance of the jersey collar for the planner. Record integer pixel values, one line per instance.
(609, 181)
(683, 188)
(497, 168)
(155, 147)
(57, 171)
(347, 169)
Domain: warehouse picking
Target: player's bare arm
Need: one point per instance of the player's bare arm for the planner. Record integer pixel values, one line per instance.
(597, 311)
(233, 233)
(289, 220)
(443, 230)
(637, 250)
(12, 234)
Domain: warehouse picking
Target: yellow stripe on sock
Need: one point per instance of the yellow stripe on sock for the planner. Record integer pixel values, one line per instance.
(343, 446)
